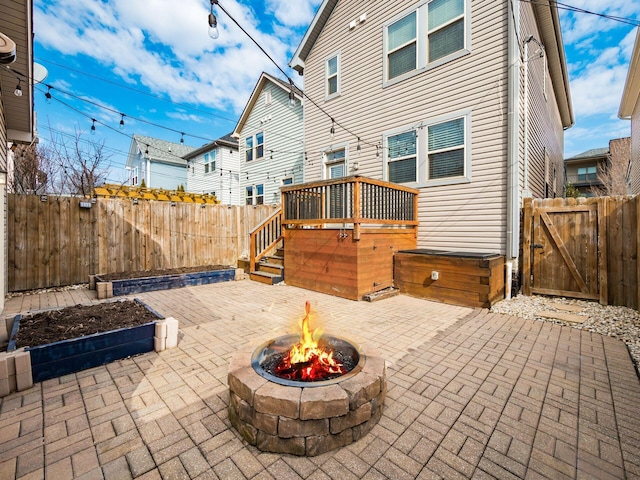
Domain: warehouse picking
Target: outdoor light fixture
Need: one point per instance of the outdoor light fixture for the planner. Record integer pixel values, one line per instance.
(213, 22)
(86, 204)
(47, 95)
(18, 91)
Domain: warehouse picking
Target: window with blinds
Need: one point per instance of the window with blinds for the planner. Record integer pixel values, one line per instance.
(402, 46)
(430, 152)
(446, 149)
(434, 32)
(332, 75)
(402, 158)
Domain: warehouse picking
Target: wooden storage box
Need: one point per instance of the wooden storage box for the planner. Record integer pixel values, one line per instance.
(460, 278)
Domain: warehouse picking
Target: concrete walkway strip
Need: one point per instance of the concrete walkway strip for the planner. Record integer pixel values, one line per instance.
(565, 317)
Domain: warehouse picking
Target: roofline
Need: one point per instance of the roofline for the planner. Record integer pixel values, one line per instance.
(631, 90)
(209, 146)
(253, 98)
(311, 35)
(554, 48)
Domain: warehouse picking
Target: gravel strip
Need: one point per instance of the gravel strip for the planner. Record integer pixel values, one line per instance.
(617, 322)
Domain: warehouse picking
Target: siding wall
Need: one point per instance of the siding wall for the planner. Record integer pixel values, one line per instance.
(635, 149)
(283, 127)
(224, 181)
(546, 135)
(167, 176)
(466, 217)
(3, 205)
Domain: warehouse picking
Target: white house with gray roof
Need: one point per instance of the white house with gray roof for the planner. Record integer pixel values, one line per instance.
(159, 163)
(271, 141)
(214, 168)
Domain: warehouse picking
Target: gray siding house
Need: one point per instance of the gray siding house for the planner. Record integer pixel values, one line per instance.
(630, 109)
(271, 142)
(214, 168)
(465, 100)
(158, 162)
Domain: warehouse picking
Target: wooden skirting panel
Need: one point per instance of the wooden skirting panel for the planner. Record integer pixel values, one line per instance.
(331, 261)
(463, 279)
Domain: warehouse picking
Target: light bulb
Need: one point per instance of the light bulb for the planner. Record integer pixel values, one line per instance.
(47, 95)
(18, 91)
(122, 121)
(213, 26)
(93, 127)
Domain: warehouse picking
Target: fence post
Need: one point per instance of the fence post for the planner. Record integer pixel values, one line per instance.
(602, 250)
(526, 246)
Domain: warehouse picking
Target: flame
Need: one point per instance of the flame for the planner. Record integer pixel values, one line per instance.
(306, 360)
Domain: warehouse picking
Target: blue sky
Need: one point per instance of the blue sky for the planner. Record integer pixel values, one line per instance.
(154, 62)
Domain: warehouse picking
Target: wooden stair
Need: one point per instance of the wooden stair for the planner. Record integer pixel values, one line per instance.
(270, 269)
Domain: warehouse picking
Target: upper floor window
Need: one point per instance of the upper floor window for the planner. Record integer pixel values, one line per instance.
(254, 147)
(436, 153)
(287, 181)
(209, 161)
(587, 173)
(332, 76)
(433, 33)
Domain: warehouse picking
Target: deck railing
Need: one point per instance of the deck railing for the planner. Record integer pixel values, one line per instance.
(265, 237)
(350, 200)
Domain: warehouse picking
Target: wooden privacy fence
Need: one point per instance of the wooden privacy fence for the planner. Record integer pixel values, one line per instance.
(583, 248)
(53, 241)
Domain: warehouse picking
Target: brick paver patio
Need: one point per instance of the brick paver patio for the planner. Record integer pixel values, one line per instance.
(470, 395)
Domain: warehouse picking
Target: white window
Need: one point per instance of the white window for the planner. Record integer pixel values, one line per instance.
(255, 195)
(210, 161)
(254, 147)
(134, 176)
(287, 181)
(434, 32)
(435, 153)
(332, 76)
(402, 161)
(335, 163)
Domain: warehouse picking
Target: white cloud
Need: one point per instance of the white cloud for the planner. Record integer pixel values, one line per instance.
(296, 15)
(165, 47)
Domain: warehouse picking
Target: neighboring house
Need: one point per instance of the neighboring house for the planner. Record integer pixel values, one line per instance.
(214, 168)
(17, 118)
(630, 109)
(158, 162)
(581, 170)
(600, 171)
(465, 100)
(271, 143)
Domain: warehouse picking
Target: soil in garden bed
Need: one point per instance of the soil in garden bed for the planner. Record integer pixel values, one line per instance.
(155, 273)
(80, 320)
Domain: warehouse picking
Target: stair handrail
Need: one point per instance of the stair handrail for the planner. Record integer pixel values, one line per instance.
(270, 232)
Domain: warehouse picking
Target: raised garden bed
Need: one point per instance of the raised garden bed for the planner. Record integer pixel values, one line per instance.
(114, 285)
(58, 343)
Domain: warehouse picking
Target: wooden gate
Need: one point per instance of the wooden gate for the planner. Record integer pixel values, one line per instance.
(564, 248)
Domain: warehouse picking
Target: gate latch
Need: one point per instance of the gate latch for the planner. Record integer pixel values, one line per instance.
(537, 245)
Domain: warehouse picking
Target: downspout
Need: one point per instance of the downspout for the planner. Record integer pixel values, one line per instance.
(513, 93)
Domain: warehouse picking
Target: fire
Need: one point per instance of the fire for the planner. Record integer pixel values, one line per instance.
(306, 360)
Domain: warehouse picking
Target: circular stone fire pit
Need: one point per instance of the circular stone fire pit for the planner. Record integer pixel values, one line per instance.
(305, 417)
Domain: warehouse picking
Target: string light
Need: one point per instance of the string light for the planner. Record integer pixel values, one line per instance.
(93, 126)
(213, 22)
(333, 129)
(18, 91)
(182, 137)
(47, 96)
(122, 121)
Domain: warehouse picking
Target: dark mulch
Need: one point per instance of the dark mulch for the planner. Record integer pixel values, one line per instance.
(155, 273)
(80, 320)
